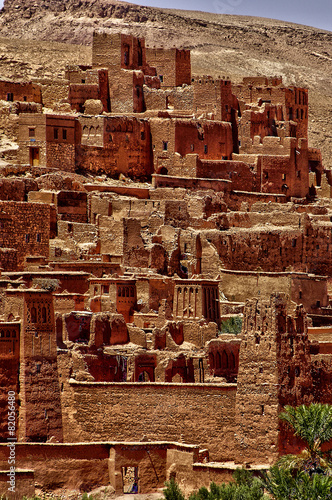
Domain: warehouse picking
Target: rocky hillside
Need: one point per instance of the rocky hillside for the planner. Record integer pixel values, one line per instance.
(220, 44)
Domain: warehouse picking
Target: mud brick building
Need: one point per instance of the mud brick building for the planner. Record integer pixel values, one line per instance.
(48, 141)
(24, 227)
(15, 91)
(173, 66)
(154, 207)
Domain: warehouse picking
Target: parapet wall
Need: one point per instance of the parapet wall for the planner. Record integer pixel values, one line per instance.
(201, 414)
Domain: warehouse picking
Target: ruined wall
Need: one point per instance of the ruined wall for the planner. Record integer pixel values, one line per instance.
(126, 409)
(274, 370)
(172, 66)
(213, 96)
(126, 147)
(174, 98)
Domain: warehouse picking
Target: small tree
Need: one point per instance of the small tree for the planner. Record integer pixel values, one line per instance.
(313, 424)
(308, 475)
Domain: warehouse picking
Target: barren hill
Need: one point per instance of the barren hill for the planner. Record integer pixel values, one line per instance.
(220, 44)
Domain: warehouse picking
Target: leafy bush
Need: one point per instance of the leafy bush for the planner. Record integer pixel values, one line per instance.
(232, 325)
(245, 487)
(282, 484)
(172, 491)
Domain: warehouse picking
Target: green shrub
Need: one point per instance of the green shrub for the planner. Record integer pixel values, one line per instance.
(232, 325)
(245, 487)
(172, 491)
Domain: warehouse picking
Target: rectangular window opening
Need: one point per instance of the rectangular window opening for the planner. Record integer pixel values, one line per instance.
(130, 479)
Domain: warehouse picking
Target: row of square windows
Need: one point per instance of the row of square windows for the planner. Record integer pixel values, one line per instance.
(56, 135)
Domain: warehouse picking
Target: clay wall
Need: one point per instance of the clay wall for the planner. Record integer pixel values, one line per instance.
(26, 228)
(193, 299)
(294, 100)
(60, 138)
(40, 409)
(90, 84)
(167, 181)
(274, 370)
(223, 355)
(24, 484)
(126, 147)
(301, 288)
(9, 373)
(213, 96)
(54, 92)
(48, 141)
(8, 259)
(173, 66)
(72, 281)
(25, 91)
(243, 176)
(77, 467)
(70, 205)
(32, 138)
(177, 409)
(163, 99)
(209, 139)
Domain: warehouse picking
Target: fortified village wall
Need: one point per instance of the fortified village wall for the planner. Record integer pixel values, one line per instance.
(143, 207)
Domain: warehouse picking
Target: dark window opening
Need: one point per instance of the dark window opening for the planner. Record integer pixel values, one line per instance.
(165, 145)
(64, 134)
(44, 315)
(70, 228)
(33, 314)
(318, 303)
(27, 238)
(161, 78)
(31, 132)
(10, 96)
(106, 289)
(205, 149)
(262, 409)
(56, 133)
(297, 371)
(24, 98)
(38, 238)
(142, 136)
(38, 367)
(83, 81)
